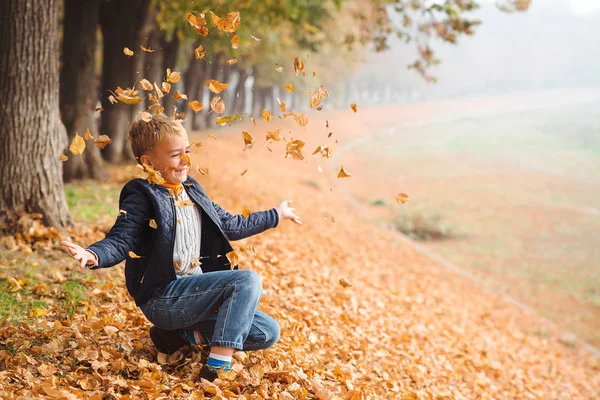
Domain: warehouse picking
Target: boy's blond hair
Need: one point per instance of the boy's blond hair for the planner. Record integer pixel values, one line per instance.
(145, 133)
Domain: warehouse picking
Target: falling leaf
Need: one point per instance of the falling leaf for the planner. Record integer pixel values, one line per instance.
(255, 38)
(217, 105)
(353, 107)
(266, 115)
(176, 265)
(157, 108)
(274, 135)
(345, 283)
(99, 109)
(248, 140)
(153, 224)
(244, 173)
(77, 145)
(127, 52)
(133, 255)
(186, 159)
(146, 85)
(146, 50)
(203, 171)
(62, 157)
(195, 106)
(318, 96)
(127, 96)
(279, 69)
(329, 135)
(184, 203)
(198, 53)
(179, 96)
(343, 173)
(102, 141)
(314, 73)
(235, 41)
(281, 105)
(145, 116)
(227, 119)
(212, 137)
(300, 118)
(253, 120)
(198, 23)
(153, 176)
(324, 150)
(112, 99)
(402, 198)
(231, 61)
(227, 24)
(233, 258)
(173, 77)
(294, 149)
(165, 88)
(289, 87)
(298, 65)
(216, 86)
(88, 135)
(246, 212)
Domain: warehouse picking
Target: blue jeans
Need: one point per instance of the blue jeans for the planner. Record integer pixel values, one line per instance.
(221, 305)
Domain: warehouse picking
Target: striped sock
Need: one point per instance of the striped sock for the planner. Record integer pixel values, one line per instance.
(195, 337)
(217, 361)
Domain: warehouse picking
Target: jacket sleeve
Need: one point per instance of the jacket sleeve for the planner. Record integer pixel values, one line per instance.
(237, 227)
(126, 234)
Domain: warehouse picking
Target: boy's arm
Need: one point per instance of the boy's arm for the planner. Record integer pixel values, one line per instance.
(237, 227)
(126, 233)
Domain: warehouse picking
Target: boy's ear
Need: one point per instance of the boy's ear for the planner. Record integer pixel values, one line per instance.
(145, 160)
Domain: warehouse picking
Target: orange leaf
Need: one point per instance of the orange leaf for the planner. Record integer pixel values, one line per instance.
(353, 107)
(77, 145)
(298, 65)
(133, 255)
(127, 52)
(266, 115)
(198, 53)
(235, 41)
(102, 141)
(343, 173)
(88, 135)
(216, 86)
(62, 157)
(289, 87)
(195, 106)
(217, 105)
(146, 50)
(402, 198)
(232, 61)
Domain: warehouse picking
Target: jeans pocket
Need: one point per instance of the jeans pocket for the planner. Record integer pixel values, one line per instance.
(170, 318)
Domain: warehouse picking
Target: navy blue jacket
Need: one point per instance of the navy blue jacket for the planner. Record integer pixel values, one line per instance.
(140, 202)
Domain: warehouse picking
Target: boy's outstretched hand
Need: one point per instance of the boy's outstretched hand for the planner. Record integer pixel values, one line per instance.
(287, 212)
(85, 258)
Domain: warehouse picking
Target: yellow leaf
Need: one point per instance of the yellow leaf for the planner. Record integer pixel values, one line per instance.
(314, 73)
(179, 96)
(402, 198)
(227, 24)
(77, 145)
(353, 107)
(198, 53)
(281, 105)
(153, 224)
(199, 24)
(345, 283)
(212, 137)
(186, 159)
(87, 135)
(232, 61)
(266, 115)
(274, 135)
(133, 255)
(146, 50)
(217, 105)
(216, 86)
(248, 140)
(37, 312)
(343, 173)
(173, 77)
(145, 116)
(298, 65)
(153, 176)
(62, 157)
(246, 212)
(300, 118)
(127, 52)
(102, 141)
(289, 87)
(203, 171)
(235, 41)
(244, 173)
(318, 96)
(127, 96)
(146, 85)
(294, 149)
(195, 106)
(233, 258)
(227, 119)
(166, 87)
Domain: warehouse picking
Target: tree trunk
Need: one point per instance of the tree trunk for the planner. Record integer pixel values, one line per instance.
(169, 48)
(78, 86)
(32, 134)
(240, 93)
(216, 72)
(193, 78)
(121, 22)
(154, 62)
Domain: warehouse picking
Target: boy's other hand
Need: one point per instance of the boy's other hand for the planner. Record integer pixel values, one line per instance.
(287, 212)
(85, 258)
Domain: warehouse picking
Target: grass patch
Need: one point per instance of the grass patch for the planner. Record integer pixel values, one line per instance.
(378, 203)
(312, 184)
(89, 201)
(74, 292)
(420, 225)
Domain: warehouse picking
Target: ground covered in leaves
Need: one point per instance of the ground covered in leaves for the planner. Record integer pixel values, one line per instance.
(363, 315)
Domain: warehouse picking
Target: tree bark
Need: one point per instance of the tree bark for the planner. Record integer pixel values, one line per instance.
(154, 62)
(78, 86)
(193, 79)
(216, 72)
(32, 134)
(121, 22)
(239, 94)
(169, 48)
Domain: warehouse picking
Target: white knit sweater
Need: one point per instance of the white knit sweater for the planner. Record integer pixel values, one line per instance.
(186, 252)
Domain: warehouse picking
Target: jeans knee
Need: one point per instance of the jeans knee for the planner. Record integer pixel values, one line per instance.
(274, 332)
(251, 281)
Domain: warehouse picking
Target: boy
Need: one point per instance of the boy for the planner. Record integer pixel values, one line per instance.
(183, 280)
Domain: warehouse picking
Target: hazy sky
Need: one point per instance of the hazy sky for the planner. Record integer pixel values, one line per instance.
(584, 6)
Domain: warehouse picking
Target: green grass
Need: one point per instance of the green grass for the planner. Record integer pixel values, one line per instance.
(74, 292)
(89, 200)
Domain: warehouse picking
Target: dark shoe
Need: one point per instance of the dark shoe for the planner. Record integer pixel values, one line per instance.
(167, 341)
(208, 373)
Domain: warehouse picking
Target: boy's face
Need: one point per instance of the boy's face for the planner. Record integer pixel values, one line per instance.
(167, 158)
